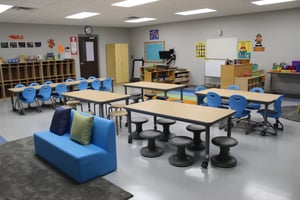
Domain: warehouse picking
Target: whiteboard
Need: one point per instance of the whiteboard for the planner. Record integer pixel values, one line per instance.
(213, 67)
(221, 48)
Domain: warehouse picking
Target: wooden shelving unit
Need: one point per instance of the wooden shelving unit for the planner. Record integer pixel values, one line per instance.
(246, 83)
(182, 77)
(230, 72)
(26, 73)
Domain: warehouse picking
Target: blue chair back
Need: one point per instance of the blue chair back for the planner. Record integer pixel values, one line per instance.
(91, 77)
(83, 85)
(213, 99)
(257, 89)
(20, 85)
(48, 82)
(239, 104)
(69, 80)
(33, 84)
(233, 87)
(61, 88)
(45, 92)
(81, 79)
(200, 87)
(107, 84)
(28, 95)
(96, 84)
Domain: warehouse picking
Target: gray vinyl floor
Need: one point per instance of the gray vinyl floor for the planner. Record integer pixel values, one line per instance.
(267, 167)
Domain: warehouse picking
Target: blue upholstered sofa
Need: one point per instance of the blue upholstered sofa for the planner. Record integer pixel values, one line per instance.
(78, 161)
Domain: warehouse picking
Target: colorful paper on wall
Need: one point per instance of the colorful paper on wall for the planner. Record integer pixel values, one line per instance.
(200, 49)
(244, 49)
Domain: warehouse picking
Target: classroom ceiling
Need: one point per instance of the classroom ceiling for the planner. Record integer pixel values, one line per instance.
(55, 11)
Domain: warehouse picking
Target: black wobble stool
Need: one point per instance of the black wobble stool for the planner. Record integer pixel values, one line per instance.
(166, 123)
(224, 159)
(162, 97)
(138, 121)
(151, 150)
(181, 159)
(150, 96)
(135, 97)
(198, 144)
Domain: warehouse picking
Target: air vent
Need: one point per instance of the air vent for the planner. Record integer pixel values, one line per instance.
(132, 17)
(22, 8)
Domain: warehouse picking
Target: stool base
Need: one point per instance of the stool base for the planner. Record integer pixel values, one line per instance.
(156, 152)
(174, 160)
(230, 161)
(196, 147)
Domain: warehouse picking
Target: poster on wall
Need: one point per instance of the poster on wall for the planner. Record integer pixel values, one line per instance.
(200, 49)
(73, 45)
(244, 49)
(154, 34)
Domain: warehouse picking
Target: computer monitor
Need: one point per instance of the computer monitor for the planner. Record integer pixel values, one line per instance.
(164, 54)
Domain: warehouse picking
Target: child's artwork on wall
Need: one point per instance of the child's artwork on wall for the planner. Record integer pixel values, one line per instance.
(258, 43)
(200, 49)
(244, 49)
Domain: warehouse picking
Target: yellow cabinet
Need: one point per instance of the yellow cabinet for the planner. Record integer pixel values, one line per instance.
(117, 65)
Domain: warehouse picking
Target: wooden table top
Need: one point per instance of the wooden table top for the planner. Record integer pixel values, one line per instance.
(53, 85)
(96, 96)
(250, 96)
(181, 111)
(154, 85)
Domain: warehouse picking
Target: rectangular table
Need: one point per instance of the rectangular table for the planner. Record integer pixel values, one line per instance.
(195, 114)
(17, 91)
(165, 87)
(97, 97)
(262, 98)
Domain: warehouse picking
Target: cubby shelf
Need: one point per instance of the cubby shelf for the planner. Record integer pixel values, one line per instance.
(25, 73)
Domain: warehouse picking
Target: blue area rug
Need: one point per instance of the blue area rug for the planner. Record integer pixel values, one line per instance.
(2, 140)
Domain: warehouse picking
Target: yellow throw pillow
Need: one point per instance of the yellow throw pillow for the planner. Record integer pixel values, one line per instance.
(81, 129)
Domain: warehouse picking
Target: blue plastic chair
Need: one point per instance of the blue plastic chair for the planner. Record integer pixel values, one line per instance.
(255, 106)
(96, 84)
(239, 103)
(91, 77)
(201, 99)
(107, 85)
(71, 88)
(274, 113)
(29, 97)
(233, 87)
(33, 84)
(48, 82)
(214, 100)
(59, 90)
(81, 79)
(45, 94)
(83, 85)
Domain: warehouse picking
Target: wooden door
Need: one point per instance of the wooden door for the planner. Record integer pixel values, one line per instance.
(88, 56)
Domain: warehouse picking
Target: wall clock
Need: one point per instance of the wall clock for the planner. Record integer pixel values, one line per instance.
(88, 30)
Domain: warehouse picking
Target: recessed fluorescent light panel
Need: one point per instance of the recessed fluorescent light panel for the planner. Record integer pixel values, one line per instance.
(4, 7)
(139, 20)
(131, 3)
(195, 12)
(268, 2)
(82, 15)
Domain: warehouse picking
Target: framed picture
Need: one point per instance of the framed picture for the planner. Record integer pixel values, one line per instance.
(154, 34)
(4, 45)
(22, 44)
(30, 45)
(13, 44)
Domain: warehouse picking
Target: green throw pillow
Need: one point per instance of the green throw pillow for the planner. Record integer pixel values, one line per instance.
(81, 129)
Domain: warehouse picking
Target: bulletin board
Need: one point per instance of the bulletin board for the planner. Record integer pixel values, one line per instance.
(151, 51)
(218, 50)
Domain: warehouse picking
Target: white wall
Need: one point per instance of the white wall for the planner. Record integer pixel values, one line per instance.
(280, 31)
(61, 35)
